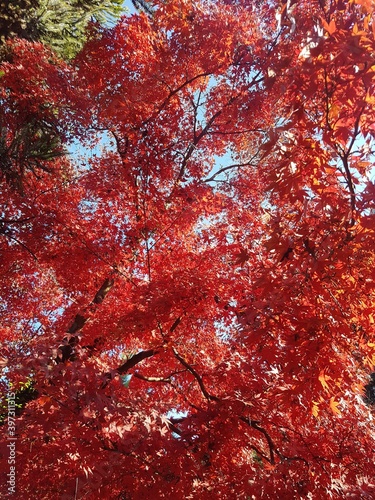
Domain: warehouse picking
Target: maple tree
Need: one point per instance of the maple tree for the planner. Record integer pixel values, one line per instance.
(187, 296)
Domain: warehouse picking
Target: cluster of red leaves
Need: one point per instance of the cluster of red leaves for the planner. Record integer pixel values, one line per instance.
(194, 302)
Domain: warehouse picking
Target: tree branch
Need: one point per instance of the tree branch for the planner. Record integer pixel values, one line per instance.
(134, 360)
(272, 448)
(193, 145)
(196, 375)
(66, 350)
(174, 92)
(348, 176)
(152, 379)
(17, 221)
(166, 379)
(21, 244)
(224, 169)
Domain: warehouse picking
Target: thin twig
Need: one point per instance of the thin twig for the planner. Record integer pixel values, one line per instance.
(196, 375)
(21, 244)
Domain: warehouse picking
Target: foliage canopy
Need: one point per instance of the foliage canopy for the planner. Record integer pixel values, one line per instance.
(188, 296)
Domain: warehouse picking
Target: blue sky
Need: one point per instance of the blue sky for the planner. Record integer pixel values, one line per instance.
(129, 6)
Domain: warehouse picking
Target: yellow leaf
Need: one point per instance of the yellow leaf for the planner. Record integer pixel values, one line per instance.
(323, 380)
(334, 406)
(315, 409)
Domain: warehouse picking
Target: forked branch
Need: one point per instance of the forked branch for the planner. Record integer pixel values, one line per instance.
(196, 375)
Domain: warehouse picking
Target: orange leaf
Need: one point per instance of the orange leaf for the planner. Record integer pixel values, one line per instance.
(331, 27)
(323, 380)
(334, 406)
(315, 409)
